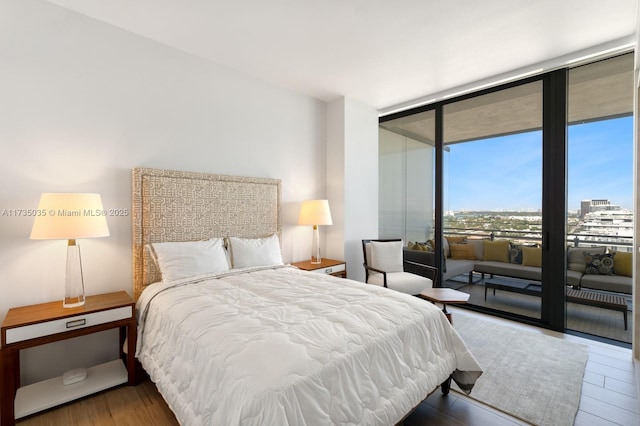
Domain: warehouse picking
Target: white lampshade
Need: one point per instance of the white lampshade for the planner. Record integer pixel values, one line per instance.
(64, 216)
(315, 212)
(68, 216)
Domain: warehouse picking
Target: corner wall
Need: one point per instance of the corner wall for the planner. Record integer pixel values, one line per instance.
(352, 181)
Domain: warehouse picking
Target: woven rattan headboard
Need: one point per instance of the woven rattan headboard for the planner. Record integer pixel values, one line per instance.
(170, 205)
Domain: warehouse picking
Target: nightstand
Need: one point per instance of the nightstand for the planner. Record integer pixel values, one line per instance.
(36, 325)
(327, 266)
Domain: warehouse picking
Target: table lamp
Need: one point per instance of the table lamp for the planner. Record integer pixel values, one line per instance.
(69, 216)
(315, 212)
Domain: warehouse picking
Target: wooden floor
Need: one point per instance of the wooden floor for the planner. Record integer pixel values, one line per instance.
(609, 397)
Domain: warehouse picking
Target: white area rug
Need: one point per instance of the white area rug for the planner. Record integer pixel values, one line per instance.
(531, 376)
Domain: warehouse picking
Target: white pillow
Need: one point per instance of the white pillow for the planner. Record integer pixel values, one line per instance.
(446, 248)
(247, 252)
(178, 260)
(387, 256)
(478, 246)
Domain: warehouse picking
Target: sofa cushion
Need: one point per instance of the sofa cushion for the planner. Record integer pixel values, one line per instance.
(478, 246)
(508, 270)
(462, 251)
(515, 252)
(403, 282)
(413, 246)
(616, 283)
(445, 248)
(623, 263)
(457, 267)
(573, 278)
(419, 246)
(575, 257)
(497, 250)
(424, 257)
(386, 256)
(532, 256)
(598, 264)
(456, 239)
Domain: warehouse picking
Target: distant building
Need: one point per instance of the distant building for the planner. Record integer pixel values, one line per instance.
(603, 221)
(590, 206)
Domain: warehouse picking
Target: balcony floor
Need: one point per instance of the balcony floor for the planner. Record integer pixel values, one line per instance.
(591, 320)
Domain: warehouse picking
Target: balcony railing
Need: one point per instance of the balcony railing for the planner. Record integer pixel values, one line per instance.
(614, 242)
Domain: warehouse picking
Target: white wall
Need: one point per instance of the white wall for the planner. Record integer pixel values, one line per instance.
(352, 180)
(82, 103)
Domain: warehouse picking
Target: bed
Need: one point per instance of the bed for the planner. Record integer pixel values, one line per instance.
(251, 340)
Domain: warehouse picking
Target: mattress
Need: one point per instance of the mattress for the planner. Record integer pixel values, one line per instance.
(278, 346)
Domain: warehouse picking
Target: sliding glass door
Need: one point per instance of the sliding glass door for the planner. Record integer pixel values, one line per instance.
(492, 191)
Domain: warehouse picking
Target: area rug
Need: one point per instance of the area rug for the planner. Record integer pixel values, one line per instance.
(531, 376)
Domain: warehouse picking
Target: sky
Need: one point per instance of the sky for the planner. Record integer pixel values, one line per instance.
(505, 173)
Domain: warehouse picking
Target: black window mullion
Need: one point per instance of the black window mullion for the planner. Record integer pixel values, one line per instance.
(554, 199)
(439, 190)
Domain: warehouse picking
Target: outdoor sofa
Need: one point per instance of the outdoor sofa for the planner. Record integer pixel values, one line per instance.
(588, 267)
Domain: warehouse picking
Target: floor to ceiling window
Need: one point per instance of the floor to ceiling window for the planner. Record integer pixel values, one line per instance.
(406, 194)
(600, 195)
(488, 172)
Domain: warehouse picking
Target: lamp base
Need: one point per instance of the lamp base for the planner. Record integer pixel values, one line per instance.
(73, 302)
(315, 247)
(74, 284)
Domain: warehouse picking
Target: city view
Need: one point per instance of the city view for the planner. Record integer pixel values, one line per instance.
(503, 200)
(598, 222)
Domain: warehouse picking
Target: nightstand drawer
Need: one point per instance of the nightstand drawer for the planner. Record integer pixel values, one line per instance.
(32, 331)
(331, 269)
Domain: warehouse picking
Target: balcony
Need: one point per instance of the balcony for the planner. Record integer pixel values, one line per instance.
(521, 297)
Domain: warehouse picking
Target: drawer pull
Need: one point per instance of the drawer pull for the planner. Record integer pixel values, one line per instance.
(329, 270)
(76, 323)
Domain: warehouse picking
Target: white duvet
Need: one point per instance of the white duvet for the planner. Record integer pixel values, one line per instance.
(280, 346)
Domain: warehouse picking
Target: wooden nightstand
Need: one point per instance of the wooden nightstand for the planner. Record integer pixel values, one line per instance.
(35, 325)
(327, 266)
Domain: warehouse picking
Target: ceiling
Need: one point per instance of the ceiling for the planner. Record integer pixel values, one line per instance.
(596, 91)
(379, 52)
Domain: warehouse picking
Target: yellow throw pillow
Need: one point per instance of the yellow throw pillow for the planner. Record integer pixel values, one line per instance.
(456, 240)
(532, 256)
(623, 263)
(497, 250)
(462, 251)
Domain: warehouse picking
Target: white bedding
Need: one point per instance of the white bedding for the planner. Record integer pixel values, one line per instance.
(278, 346)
